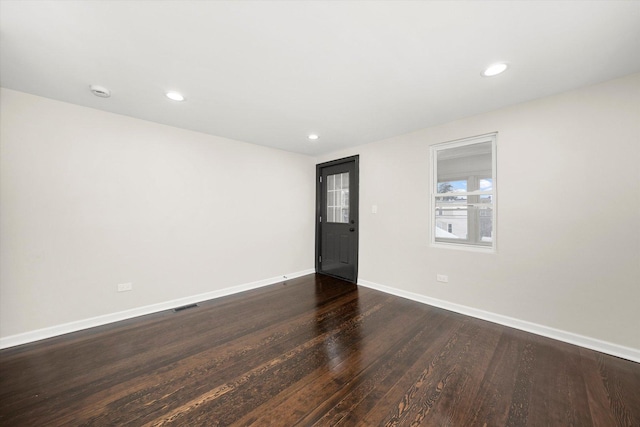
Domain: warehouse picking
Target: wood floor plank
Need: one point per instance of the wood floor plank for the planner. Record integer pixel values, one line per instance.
(612, 387)
(493, 400)
(558, 393)
(270, 377)
(473, 359)
(313, 351)
(347, 375)
(429, 368)
(434, 398)
(373, 382)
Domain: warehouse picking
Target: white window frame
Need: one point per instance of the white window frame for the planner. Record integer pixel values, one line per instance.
(465, 244)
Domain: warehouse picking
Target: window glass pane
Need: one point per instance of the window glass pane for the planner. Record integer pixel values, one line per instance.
(444, 201)
(451, 218)
(452, 186)
(486, 184)
(456, 219)
(485, 220)
(461, 162)
(463, 167)
(338, 198)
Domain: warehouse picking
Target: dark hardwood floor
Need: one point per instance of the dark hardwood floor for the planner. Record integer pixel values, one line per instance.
(313, 351)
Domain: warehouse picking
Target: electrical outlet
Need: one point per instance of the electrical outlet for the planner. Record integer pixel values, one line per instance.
(123, 287)
(442, 278)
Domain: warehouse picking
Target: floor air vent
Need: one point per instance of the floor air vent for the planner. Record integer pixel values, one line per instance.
(185, 307)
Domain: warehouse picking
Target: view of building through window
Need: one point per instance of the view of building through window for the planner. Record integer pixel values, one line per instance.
(463, 197)
(452, 214)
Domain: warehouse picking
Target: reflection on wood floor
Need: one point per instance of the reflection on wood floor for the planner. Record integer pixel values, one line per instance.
(313, 351)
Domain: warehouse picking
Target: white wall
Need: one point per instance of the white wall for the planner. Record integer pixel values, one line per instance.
(568, 243)
(91, 199)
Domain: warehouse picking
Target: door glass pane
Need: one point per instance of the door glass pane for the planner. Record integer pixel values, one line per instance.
(338, 198)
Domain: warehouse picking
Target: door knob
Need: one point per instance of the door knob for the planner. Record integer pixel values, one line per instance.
(352, 229)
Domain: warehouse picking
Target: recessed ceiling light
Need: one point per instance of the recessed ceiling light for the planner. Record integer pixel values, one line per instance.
(495, 69)
(100, 91)
(313, 137)
(175, 96)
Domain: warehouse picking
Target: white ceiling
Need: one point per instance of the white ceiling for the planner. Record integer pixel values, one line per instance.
(271, 72)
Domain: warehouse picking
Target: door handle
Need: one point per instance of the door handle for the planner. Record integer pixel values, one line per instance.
(352, 229)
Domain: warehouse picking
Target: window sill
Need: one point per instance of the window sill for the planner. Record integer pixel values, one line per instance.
(465, 247)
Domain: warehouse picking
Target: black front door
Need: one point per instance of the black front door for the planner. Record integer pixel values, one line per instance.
(337, 218)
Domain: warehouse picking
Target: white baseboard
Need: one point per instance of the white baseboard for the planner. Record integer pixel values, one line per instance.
(40, 334)
(557, 334)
